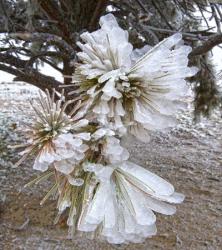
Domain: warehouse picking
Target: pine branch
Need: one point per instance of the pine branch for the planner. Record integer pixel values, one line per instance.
(45, 37)
(33, 77)
(207, 45)
(100, 7)
(51, 9)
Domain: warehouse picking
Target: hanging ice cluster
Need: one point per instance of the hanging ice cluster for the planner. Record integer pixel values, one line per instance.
(127, 196)
(121, 90)
(56, 138)
(129, 90)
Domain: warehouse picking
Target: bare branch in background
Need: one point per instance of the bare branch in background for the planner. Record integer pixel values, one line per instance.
(100, 7)
(45, 37)
(196, 35)
(33, 77)
(207, 45)
(161, 13)
(216, 18)
(56, 25)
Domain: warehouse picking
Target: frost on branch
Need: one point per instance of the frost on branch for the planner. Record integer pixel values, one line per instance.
(120, 91)
(127, 90)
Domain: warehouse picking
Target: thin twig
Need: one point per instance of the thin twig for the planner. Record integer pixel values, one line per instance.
(205, 20)
(218, 11)
(217, 21)
(45, 37)
(194, 35)
(142, 6)
(161, 14)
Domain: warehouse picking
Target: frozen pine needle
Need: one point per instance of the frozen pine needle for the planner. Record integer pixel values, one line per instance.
(135, 90)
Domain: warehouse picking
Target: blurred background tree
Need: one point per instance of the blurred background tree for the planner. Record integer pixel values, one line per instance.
(37, 32)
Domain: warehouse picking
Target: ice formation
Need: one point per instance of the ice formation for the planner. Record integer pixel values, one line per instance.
(121, 91)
